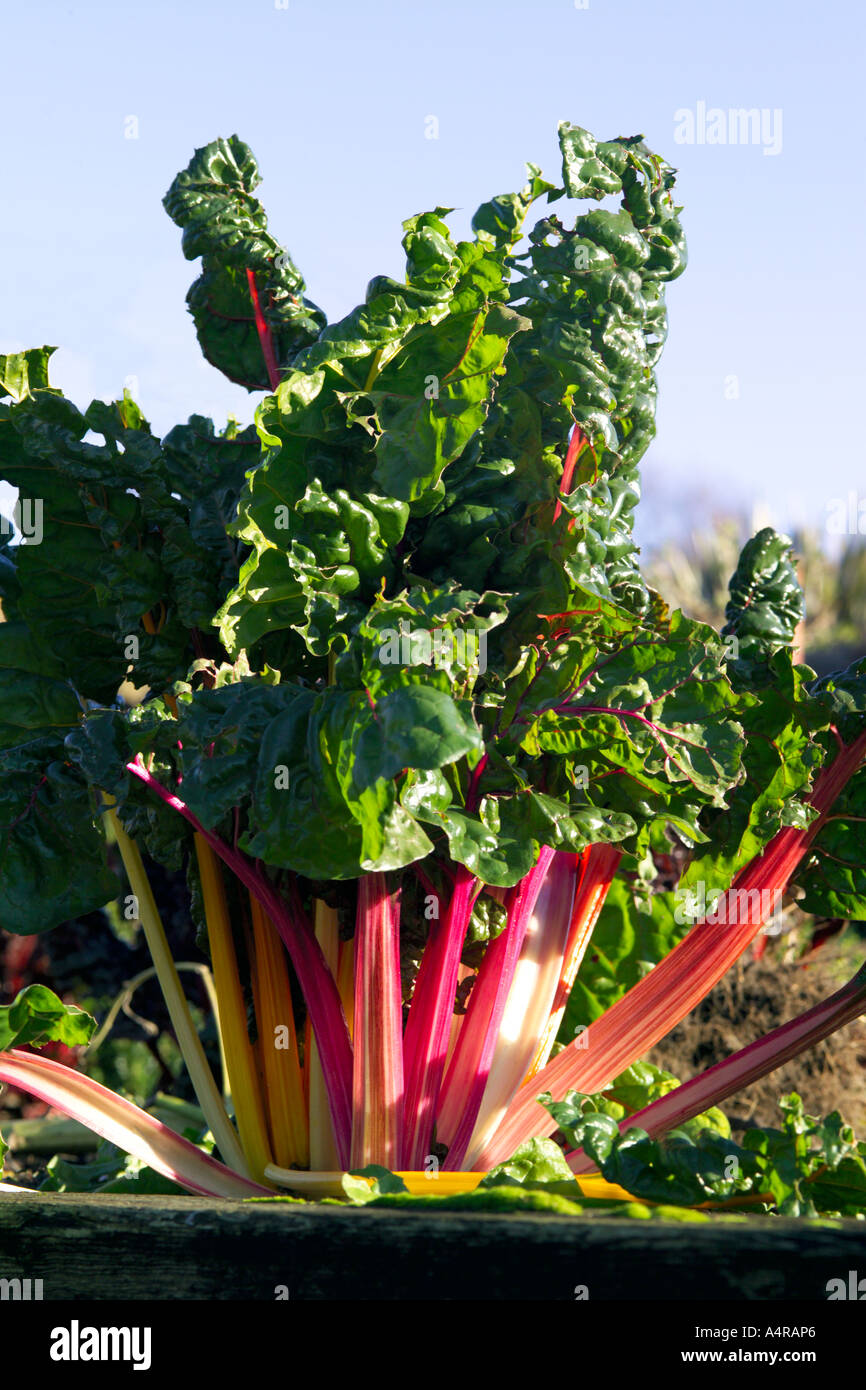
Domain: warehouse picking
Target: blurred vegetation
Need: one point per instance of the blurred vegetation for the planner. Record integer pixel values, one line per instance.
(100, 961)
(694, 576)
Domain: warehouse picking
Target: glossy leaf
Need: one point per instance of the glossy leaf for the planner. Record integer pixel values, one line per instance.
(213, 201)
(766, 601)
(37, 1016)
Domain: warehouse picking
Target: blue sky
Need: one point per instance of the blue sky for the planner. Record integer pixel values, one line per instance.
(764, 365)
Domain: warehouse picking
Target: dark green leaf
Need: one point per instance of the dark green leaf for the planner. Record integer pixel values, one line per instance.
(212, 200)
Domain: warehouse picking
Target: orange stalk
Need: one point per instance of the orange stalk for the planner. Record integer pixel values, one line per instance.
(284, 1093)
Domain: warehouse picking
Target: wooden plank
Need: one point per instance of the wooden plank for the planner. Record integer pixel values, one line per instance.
(115, 1247)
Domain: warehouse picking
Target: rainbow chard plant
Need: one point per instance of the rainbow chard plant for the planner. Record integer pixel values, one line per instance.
(412, 722)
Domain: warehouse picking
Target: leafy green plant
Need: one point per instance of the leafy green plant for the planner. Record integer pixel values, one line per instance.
(809, 1167)
(412, 712)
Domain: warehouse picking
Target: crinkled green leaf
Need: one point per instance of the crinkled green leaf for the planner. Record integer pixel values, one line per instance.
(34, 697)
(416, 726)
(843, 696)
(781, 756)
(834, 873)
(766, 602)
(41, 445)
(536, 1161)
(589, 170)
(213, 201)
(806, 1168)
(52, 854)
(635, 1088)
(488, 920)
(37, 1016)
(364, 1185)
(131, 554)
(21, 373)
(220, 732)
(433, 396)
(309, 813)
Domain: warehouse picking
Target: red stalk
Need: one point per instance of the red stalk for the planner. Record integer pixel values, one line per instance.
(377, 1093)
(316, 981)
(467, 1075)
(743, 1067)
(264, 333)
(428, 1027)
(429, 1024)
(574, 447)
(759, 947)
(655, 1005)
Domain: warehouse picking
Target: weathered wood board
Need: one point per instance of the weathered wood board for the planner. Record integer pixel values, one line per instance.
(115, 1247)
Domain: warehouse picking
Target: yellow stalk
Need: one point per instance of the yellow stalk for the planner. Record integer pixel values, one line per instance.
(381, 358)
(243, 1075)
(178, 1010)
(323, 1147)
(439, 1184)
(284, 1092)
(171, 705)
(375, 368)
(210, 987)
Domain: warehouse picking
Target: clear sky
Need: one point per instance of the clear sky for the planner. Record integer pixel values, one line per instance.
(762, 377)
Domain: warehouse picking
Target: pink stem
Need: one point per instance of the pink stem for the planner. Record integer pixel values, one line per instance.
(428, 1027)
(316, 981)
(120, 1122)
(377, 1095)
(466, 1079)
(430, 889)
(264, 333)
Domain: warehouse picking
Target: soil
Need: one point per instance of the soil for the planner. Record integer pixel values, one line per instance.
(756, 996)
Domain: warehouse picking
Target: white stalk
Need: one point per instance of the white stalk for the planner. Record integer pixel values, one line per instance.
(529, 1003)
